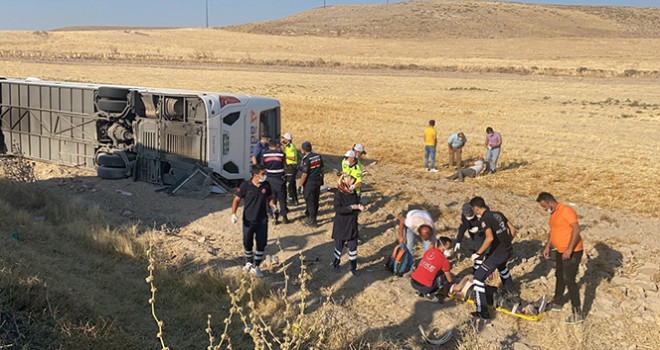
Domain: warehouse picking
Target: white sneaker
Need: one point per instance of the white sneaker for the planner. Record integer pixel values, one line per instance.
(255, 270)
(247, 267)
(434, 170)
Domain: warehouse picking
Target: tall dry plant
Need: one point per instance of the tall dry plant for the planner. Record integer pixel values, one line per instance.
(296, 331)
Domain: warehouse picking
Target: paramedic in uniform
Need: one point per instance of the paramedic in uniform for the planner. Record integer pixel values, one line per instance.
(470, 223)
(257, 195)
(499, 233)
(274, 161)
(291, 168)
(311, 168)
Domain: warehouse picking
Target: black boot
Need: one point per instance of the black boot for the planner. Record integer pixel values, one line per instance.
(335, 265)
(354, 267)
(285, 219)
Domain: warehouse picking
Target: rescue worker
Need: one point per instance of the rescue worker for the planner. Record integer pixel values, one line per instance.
(259, 149)
(434, 271)
(471, 224)
(274, 161)
(311, 180)
(291, 168)
(499, 233)
(258, 196)
(351, 167)
(345, 225)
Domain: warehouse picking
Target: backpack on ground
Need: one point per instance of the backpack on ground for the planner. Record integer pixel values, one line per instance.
(400, 261)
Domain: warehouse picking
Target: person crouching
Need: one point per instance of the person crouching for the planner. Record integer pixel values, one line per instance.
(433, 271)
(345, 227)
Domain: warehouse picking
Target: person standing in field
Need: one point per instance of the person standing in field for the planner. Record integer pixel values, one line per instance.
(311, 181)
(259, 149)
(257, 195)
(498, 234)
(345, 226)
(455, 144)
(430, 145)
(493, 146)
(351, 166)
(565, 238)
(274, 162)
(291, 168)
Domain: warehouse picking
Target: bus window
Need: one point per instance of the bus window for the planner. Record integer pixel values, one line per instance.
(269, 123)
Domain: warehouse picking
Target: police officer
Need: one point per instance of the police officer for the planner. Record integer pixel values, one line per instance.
(259, 149)
(471, 224)
(257, 195)
(311, 168)
(351, 167)
(499, 233)
(274, 161)
(291, 168)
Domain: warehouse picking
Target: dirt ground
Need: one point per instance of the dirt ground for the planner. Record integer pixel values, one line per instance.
(590, 139)
(619, 274)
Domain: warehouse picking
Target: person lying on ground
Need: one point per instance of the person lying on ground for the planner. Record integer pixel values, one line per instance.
(475, 168)
(434, 271)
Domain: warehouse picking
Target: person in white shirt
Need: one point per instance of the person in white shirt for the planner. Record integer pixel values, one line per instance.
(475, 169)
(417, 222)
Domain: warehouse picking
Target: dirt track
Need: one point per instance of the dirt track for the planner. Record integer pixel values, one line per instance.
(199, 236)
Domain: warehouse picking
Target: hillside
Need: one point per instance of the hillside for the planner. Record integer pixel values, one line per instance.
(465, 19)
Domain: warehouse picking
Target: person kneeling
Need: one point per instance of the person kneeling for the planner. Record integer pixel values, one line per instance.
(433, 272)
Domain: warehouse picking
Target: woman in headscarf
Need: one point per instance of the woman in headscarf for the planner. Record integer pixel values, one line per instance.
(345, 227)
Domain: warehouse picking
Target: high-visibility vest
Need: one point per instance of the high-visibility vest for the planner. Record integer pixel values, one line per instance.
(291, 152)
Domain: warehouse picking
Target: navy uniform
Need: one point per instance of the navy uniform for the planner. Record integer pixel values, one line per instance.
(500, 253)
(312, 165)
(274, 162)
(470, 223)
(255, 219)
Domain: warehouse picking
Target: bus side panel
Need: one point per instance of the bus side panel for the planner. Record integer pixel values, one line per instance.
(51, 123)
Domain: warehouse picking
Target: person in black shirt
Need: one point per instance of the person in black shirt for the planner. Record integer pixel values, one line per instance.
(498, 232)
(257, 195)
(311, 168)
(274, 161)
(470, 223)
(345, 226)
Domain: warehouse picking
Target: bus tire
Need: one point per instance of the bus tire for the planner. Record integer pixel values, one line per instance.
(112, 93)
(113, 160)
(111, 173)
(111, 106)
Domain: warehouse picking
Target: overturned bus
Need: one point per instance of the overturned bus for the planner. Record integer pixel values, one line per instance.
(151, 134)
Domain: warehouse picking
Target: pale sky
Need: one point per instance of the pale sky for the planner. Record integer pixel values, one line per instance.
(51, 14)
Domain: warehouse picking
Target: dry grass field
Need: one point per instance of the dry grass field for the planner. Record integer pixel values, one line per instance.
(579, 111)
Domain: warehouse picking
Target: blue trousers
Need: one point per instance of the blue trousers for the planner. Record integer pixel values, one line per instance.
(491, 158)
(429, 157)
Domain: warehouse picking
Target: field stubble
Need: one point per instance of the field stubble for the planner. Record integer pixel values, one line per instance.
(560, 134)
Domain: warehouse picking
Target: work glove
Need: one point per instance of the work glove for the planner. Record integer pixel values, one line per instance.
(274, 210)
(234, 218)
(475, 256)
(457, 246)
